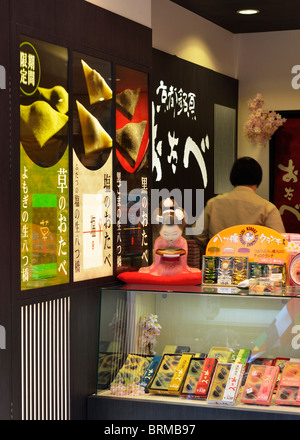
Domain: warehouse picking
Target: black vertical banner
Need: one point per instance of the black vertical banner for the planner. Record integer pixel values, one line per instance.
(132, 167)
(184, 95)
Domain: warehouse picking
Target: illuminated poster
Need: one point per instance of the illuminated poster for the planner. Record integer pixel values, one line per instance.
(132, 150)
(44, 164)
(92, 168)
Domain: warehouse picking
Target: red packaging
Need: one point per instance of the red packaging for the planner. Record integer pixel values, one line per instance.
(288, 392)
(280, 362)
(260, 385)
(205, 378)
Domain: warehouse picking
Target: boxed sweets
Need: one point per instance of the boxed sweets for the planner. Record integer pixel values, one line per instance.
(280, 362)
(239, 356)
(224, 271)
(108, 366)
(260, 384)
(257, 361)
(176, 349)
(223, 354)
(242, 356)
(163, 376)
(179, 375)
(147, 376)
(192, 377)
(226, 383)
(267, 275)
(132, 370)
(288, 392)
(205, 378)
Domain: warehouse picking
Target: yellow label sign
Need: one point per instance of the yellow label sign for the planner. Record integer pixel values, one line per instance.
(251, 241)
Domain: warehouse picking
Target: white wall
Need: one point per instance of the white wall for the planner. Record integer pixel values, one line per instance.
(182, 33)
(265, 61)
(136, 10)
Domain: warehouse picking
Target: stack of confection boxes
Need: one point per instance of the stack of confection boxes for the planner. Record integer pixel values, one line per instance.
(224, 271)
(288, 392)
(218, 378)
(260, 384)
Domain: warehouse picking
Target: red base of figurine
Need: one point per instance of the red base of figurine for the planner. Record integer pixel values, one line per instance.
(184, 279)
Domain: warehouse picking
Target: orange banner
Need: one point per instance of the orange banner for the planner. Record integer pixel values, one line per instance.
(251, 241)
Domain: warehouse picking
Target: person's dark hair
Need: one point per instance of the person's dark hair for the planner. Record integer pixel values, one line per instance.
(246, 171)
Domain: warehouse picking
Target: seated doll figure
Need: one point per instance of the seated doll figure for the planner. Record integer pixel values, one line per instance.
(170, 248)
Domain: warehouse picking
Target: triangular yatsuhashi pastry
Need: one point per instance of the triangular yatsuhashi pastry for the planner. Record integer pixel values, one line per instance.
(40, 120)
(129, 138)
(57, 97)
(127, 101)
(95, 138)
(97, 87)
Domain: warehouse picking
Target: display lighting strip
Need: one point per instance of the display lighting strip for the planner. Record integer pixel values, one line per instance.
(248, 11)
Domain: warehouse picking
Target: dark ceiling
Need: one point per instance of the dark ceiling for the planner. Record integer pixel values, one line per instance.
(275, 15)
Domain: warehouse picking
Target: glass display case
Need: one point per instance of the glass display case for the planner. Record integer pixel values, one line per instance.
(142, 323)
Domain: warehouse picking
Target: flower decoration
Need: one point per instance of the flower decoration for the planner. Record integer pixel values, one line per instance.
(261, 123)
(292, 247)
(150, 329)
(131, 389)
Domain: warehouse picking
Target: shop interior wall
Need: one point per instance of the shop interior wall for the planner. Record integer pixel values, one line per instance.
(136, 10)
(262, 62)
(265, 62)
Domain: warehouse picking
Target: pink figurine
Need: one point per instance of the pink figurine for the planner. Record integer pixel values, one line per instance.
(170, 248)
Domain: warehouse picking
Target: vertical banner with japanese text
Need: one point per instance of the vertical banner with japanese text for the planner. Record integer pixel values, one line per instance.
(93, 201)
(132, 168)
(44, 164)
(183, 113)
(285, 166)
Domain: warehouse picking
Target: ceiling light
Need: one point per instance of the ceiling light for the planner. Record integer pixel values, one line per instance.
(248, 11)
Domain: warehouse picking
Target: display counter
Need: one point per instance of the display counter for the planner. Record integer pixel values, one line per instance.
(197, 322)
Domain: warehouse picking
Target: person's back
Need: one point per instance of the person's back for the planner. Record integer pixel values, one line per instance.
(240, 206)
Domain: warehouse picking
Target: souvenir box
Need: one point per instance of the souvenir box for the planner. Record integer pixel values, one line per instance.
(192, 377)
(225, 384)
(223, 354)
(205, 378)
(242, 356)
(170, 374)
(257, 361)
(180, 374)
(267, 275)
(260, 384)
(132, 370)
(288, 392)
(280, 362)
(224, 271)
(108, 366)
(176, 349)
(147, 376)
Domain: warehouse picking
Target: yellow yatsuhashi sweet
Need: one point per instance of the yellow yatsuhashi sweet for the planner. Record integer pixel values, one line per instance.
(98, 88)
(41, 121)
(57, 97)
(95, 138)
